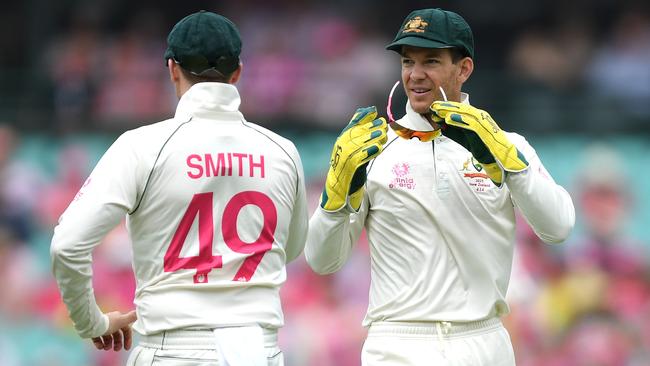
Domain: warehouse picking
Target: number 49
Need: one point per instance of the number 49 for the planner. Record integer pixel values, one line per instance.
(201, 206)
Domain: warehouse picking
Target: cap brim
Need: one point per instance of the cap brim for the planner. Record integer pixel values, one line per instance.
(415, 42)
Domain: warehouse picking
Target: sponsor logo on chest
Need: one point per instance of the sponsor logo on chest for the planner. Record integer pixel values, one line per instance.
(402, 178)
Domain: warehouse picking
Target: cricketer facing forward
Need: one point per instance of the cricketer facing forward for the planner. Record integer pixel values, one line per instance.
(215, 207)
(438, 211)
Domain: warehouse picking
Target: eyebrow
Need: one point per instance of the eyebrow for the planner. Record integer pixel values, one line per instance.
(431, 53)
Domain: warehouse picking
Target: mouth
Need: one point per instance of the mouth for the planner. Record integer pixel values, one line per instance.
(420, 91)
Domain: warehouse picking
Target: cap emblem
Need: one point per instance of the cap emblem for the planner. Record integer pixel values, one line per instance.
(416, 25)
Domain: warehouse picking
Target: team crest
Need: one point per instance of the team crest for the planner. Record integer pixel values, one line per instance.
(475, 176)
(416, 25)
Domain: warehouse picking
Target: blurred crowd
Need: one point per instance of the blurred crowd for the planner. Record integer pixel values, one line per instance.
(307, 66)
(588, 301)
(543, 67)
(584, 302)
(300, 64)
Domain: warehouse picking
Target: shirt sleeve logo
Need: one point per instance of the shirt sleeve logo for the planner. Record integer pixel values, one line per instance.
(80, 193)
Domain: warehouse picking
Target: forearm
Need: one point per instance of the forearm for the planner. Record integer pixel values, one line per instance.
(338, 220)
(296, 240)
(298, 227)
(72, 270)
(330, 240)
(80, 230)
(547, 207)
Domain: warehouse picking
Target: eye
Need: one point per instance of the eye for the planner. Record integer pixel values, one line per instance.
(432, 61)
(407, 61)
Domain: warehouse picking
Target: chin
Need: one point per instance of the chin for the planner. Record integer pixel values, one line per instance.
(421, 107)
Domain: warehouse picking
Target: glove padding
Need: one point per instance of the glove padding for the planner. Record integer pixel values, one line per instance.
(475, 130)
(359, 142)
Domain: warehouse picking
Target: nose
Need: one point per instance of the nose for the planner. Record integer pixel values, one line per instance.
(417, 72)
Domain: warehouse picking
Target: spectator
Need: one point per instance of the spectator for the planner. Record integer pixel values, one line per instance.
(606, 202)
(620, 69)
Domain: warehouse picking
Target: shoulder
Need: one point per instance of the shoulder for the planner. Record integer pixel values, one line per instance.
(154, 130)
(144, 142)
(150, 136)
(273, 138)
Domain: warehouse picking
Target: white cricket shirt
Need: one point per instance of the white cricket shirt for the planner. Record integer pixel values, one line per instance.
(441, 233)
(215, 206)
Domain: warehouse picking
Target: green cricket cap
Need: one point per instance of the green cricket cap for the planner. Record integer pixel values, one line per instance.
(434, 28)
(205, 43)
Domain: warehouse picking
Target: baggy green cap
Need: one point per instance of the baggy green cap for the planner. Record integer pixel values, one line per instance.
(434, 28)
(205, 43)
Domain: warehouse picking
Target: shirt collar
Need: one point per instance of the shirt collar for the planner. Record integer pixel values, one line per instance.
(207, 99)
(417, 122)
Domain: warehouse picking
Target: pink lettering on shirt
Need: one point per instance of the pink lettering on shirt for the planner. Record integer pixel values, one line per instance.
(221, 165)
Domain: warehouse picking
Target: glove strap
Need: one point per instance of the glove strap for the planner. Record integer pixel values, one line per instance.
(495, 172)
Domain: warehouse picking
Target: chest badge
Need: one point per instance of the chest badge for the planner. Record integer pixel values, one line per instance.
(475, 176)
(401, 177)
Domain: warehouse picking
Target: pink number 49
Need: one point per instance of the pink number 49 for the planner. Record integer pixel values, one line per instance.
(201, 206)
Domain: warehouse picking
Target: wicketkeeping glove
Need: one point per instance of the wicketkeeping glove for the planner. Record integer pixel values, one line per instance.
(475, 130)
(359, 142)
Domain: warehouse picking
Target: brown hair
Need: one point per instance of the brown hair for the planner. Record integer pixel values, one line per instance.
(215, 78)
(457, 54)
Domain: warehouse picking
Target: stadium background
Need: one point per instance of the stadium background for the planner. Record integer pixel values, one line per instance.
(572, 76)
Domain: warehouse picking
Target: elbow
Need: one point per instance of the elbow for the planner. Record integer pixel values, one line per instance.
(324, 270)
(57, 251)
(319, 266)
(60, 257)
(291, 255)
(62, 251)
(561, 230)
(556, 238)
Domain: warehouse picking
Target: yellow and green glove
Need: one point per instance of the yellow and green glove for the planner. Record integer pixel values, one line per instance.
(359, 142)
(476, 131)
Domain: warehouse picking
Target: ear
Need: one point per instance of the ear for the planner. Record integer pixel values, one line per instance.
(175, 76)
(236, 74)
(466, 68)
(174, 72)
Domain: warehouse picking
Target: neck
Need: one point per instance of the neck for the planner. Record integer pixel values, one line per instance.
(182, 87)
(429, 117)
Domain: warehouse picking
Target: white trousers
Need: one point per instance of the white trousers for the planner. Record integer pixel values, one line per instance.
(478, 343)
(233, 346)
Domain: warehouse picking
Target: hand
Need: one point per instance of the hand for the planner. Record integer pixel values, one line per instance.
(475, 130)
(119, 332)
(359, 142)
